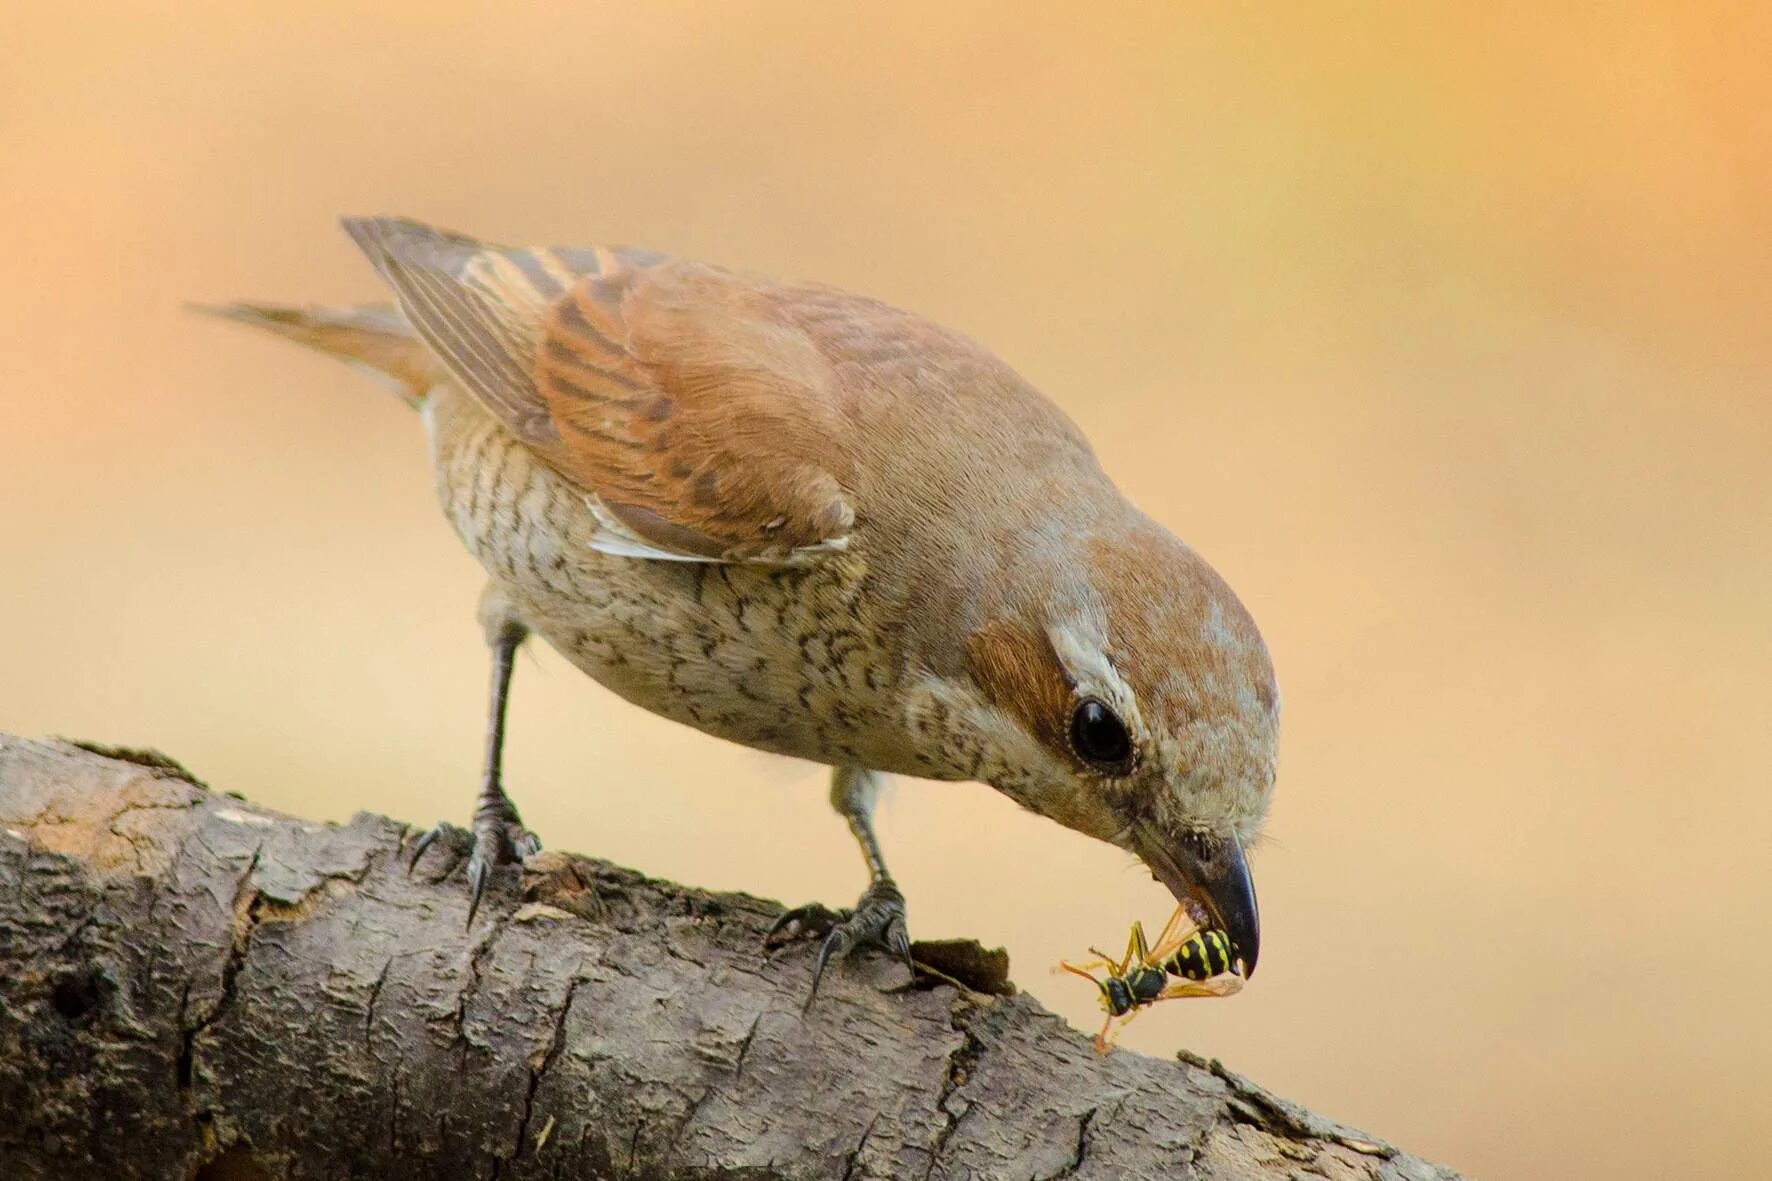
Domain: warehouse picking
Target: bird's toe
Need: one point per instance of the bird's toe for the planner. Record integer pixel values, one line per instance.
(499, 839)
(878, 920)
(812, 921)
(442, 835)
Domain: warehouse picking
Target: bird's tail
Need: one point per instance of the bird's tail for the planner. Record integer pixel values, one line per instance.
(372, 337)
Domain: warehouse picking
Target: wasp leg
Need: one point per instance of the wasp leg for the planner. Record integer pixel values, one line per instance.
(1137, 950)
(1104, 1042)
(498, 832)
(1167, 934)
(878, 918)
(1176, 932)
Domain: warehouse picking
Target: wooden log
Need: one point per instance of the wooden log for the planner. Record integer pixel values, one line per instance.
(195, 986)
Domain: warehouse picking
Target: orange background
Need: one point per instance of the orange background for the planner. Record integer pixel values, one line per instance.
(1441, 330)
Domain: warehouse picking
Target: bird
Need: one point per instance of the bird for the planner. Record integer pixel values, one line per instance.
(815, 524)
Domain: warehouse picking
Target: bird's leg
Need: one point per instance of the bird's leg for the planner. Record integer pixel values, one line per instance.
(499, 837)
(878, 918)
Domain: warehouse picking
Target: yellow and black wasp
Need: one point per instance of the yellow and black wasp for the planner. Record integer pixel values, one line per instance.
(1186, 960)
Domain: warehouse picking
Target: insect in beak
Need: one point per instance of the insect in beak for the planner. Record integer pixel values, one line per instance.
(1185, 961)
(1211, 871)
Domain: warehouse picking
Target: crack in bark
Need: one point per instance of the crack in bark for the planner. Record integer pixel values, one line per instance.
(536, 1072)
(247, 901)
(853, 1156)
(960, 1063)
(381, 978)
(675, 1139)
(744, 1047)
(1082, 1149)
(633, 1146)
(480, 951)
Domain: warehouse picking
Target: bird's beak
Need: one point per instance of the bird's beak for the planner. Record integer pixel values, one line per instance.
(1211, 871)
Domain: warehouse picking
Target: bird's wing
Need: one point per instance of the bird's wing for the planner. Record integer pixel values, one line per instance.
(701, 426)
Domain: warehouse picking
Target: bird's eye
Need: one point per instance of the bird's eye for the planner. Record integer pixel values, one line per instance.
(1100, 737)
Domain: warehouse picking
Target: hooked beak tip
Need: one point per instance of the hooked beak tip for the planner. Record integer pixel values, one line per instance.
(1214, 873)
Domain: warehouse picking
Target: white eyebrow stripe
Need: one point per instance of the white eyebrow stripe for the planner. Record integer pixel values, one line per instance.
(1081, 647)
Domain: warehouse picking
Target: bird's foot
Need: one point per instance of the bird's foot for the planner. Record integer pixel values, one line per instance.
(498, 837)
(877, 920)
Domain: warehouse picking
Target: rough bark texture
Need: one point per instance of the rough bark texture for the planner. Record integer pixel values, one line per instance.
(194, 986)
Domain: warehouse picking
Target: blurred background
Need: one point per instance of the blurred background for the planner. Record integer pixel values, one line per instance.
(1442, 330)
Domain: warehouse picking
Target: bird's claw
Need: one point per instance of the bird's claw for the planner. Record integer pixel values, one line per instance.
(812, 921)
(498, 838)
(445, 835)
(878, 920)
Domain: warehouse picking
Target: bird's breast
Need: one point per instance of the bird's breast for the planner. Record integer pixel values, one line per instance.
(795, 660)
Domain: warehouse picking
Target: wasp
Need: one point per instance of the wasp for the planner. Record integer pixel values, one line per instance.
(1186, 960)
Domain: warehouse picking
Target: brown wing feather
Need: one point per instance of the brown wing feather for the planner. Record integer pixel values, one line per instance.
(705, 426)
(696, 413)
(448, 289)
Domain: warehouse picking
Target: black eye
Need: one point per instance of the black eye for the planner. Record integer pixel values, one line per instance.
(1100, 737)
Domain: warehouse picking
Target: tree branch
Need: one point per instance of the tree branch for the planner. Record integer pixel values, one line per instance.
(194, 986)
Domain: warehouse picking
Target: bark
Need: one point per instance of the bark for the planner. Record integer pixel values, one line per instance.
(195, 986)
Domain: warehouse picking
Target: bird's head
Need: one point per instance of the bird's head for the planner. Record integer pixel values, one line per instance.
(1122, 690)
